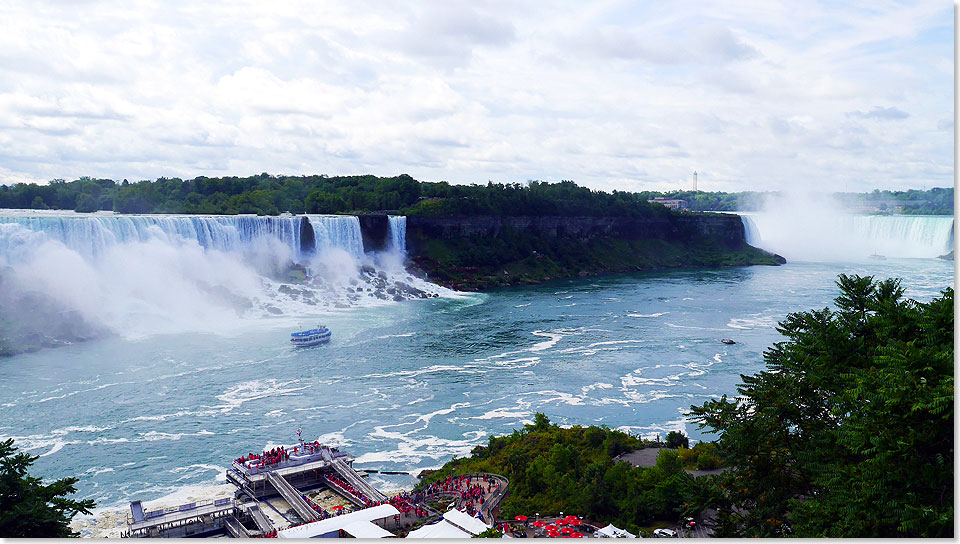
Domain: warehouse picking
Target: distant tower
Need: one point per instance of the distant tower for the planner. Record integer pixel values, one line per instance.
(695, 181)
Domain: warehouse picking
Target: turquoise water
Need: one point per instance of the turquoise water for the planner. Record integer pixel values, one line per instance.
(408, 385)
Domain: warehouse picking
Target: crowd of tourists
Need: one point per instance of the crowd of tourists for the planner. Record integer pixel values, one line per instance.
(469, 491)
(265, 459)
(349, 489)
(401, 502)
(316, 507)
(280, 454)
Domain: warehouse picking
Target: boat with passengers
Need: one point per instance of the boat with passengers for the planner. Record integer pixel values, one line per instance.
(312, 337)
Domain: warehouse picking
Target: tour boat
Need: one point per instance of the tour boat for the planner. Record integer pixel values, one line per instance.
(312, 337)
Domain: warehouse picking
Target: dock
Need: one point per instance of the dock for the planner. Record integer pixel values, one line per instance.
(262, 480)
(289, 473)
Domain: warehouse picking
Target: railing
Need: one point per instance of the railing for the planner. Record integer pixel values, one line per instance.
(357, 482)
(153, 514)
(492, 502)
(235, 528)
(292, 496)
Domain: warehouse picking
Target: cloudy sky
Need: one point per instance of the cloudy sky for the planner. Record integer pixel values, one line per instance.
(626, 95)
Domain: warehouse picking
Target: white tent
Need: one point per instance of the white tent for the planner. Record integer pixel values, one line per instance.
(610, 531)
(439, 530)
(358, 524)
(365, 529)
(455, 524)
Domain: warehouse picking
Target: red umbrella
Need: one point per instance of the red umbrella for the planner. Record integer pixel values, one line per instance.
(572, 519)
(538, 523)
(576, 535)
(338, 507)
(561, 521)
(553, 534)
(521, 518)
(551, 528)
(566, 530)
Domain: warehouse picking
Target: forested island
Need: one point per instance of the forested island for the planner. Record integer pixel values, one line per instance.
(848, 432)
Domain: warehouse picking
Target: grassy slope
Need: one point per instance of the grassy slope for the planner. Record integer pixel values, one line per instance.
(553, 469)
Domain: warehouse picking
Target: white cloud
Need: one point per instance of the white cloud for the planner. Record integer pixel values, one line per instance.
(613, 94)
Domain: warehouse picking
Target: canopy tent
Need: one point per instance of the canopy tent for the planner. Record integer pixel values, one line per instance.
(610, 531)
(355, 523)
(439, 530)
(365, 529)
(455, 524)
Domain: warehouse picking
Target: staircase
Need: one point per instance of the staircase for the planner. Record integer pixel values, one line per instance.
(234, 527)
(351, 477)
(262, 521)
(293, 497)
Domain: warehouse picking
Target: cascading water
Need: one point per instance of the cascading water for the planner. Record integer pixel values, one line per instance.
(398, 233)
(90, 235)
(337, 231)
(139, 275)
(838, 236)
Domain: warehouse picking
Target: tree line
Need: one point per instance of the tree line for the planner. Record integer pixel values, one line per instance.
(935, 201)
(266, 194)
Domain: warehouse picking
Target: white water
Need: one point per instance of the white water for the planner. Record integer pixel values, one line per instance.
(337, 231)
(147, 274)
(800, 234)
(398, 233)
(93, 234)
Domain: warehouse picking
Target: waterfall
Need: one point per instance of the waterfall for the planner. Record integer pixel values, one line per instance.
(398, 233)
(750, 231)
(838, 237)
(91, 235)
(337, 231)
(140, 275)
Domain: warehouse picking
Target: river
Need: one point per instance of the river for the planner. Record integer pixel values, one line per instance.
(146, 411)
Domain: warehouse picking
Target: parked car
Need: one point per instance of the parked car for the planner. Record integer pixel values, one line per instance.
(665, 533)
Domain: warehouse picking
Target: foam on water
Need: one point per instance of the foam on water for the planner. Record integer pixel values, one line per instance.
(141, 275)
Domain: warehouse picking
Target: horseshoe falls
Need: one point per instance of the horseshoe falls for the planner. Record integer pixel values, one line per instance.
(846, 237)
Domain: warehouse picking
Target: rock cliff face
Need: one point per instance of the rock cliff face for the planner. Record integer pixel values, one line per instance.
(374, 228)
(485, 251)
(723, 228)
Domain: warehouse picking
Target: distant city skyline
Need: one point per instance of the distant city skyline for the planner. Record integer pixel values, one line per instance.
(824, 96)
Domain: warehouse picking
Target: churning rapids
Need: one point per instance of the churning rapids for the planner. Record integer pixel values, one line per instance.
(194, 367)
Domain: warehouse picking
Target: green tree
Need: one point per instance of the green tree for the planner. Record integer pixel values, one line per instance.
(849, 431)
(86, 203)
(28, 508)
(676, 439)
